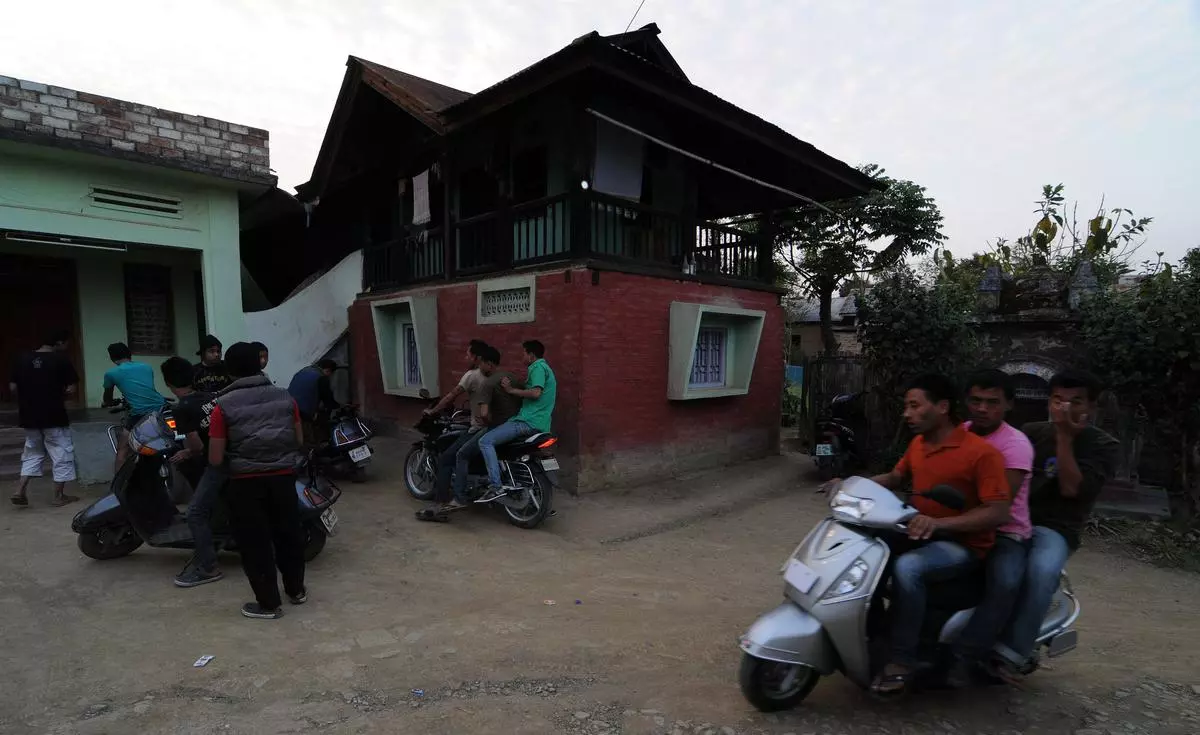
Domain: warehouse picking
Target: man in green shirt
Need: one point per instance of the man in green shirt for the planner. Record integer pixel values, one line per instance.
(536, 406)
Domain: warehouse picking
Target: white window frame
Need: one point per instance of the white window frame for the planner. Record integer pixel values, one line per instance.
(391, 319)
(506, 284)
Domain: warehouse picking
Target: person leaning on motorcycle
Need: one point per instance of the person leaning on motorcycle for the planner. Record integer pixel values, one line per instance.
(313, 394)
(942, 453)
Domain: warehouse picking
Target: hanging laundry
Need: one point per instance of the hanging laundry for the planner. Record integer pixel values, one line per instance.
(421, 213)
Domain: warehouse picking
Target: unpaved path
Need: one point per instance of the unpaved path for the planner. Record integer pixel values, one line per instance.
(665, 578)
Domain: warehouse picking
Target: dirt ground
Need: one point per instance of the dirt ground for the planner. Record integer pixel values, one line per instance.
(428, 628)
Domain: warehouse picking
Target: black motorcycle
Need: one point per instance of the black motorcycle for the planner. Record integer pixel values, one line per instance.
(836, 449)
(346, 449)
(139, 509)
(527, 464)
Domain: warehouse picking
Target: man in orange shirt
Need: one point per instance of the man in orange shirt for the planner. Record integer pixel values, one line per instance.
(943, 453)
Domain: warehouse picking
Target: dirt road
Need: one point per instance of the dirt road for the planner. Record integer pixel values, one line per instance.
(651, 589)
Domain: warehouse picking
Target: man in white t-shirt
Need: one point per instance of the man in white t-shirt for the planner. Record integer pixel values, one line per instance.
(470, 383)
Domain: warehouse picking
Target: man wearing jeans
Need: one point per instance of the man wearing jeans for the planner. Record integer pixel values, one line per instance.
(990, 395)
(536, 406)
(942, 453)
(1072, 461)
(469, 384)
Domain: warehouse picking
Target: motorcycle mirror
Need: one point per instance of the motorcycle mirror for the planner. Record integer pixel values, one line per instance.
(947, 496)
(424, 393)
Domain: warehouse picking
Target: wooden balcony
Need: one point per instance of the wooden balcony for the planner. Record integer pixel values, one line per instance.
(582, 225)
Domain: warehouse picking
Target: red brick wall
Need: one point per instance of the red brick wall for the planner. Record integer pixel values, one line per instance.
(607, 344)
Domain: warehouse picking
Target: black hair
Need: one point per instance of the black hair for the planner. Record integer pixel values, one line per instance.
(327, 364)
(1071, 379)
(55, 336)
(259, 346)
(177, 372)
(535, 348)
(477, 347)
(993, 378)
(491, 354)
(241, 359)
(937, 388)
(119, 351)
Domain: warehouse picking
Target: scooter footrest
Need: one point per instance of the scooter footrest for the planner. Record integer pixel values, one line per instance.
(177, 533)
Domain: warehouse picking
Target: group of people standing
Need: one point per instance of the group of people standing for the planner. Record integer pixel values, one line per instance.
(1028, 493)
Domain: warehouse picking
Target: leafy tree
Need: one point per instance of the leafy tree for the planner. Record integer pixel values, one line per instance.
(907, 328)
(857, 236)
(1145, 343)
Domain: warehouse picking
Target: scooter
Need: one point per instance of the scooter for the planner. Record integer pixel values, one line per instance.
(833, 616)
(139, 509)
(347, 449)
(528, 465)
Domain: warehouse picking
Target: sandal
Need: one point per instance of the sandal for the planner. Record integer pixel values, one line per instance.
(434, 515)
(888, 687)
(62, 500)
(20, 501)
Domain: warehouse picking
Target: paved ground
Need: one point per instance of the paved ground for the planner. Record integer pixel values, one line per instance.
(651, 589)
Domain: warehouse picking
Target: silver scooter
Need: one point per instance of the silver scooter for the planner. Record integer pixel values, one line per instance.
(833, 617)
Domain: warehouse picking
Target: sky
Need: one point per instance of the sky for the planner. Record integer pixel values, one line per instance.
(980, 102)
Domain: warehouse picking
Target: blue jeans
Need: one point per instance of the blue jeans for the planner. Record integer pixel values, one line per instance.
(1005, 573)
(936, 561)
(199, 516)
(1048, 552)
(446, 465)
(502, 434)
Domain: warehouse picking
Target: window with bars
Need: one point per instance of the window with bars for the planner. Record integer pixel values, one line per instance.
(149, 312)
(708, 364)
(505, 303)
(412, 358)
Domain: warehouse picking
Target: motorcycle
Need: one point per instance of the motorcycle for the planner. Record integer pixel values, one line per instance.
(833, 616)
(347, 449)
(139, 509)
(835, 447)
(527, 464)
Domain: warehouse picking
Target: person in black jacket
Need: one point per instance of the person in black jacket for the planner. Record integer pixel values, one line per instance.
(211, 374)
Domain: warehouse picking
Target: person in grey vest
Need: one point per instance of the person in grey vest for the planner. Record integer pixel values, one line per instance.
(255, 427)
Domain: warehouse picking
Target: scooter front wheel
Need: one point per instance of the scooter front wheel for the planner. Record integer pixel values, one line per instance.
(420, 473)
(109, 543)
(772, 686)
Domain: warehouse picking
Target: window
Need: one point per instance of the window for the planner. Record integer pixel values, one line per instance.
(412, 358)
(708, 365)
(529, 175)
(149, 318)
(509, 300)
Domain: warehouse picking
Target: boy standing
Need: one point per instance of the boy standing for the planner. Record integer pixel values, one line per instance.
(41, 379)
(211, 375)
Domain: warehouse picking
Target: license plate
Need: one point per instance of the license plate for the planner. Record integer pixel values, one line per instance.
(824, 450)
(800, 576)
(550, 464)
(359, 454)
(329, 519)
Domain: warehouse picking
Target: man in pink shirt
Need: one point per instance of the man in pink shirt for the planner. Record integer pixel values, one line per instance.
(989, 398)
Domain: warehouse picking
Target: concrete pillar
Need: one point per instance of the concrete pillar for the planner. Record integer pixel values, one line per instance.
(222, 270)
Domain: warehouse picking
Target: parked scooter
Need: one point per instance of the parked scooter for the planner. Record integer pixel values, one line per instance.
(527, 464)
(346, 450)
(835, 440)
(833, 617)
(140, 510)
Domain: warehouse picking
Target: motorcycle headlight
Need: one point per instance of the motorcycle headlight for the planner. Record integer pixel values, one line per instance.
(849, 582)
(849, 507)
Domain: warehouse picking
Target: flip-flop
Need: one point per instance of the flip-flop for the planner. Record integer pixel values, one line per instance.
(879, 692)
(432, 515)
(63, 500)
(20, 501)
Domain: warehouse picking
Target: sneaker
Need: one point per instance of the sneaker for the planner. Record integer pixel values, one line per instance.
(255, 610)
(194, 577)
(299, 599)
(492, 492)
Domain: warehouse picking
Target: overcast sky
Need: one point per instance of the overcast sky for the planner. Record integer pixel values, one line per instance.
(981, 102)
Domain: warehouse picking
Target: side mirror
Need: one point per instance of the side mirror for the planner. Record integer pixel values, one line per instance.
(947, 496)
(424, 393)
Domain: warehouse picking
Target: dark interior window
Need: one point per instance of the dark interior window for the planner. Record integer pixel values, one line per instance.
(529, 173)
(477, 193)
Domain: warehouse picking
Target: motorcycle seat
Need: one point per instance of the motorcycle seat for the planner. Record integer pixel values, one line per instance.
(537, 439)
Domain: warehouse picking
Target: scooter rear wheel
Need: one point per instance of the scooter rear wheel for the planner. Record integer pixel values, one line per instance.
(314, 540)
(109, 544)
(772, 686)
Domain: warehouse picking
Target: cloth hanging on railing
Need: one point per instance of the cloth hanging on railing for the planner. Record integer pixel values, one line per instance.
(421, 213)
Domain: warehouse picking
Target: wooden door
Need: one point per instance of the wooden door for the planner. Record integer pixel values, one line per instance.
(37, 296)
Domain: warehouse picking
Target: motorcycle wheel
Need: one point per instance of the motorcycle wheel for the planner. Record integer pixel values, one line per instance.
(98, 545)
(772, 686)
(532, 516)
(314, 540)
(419, 474)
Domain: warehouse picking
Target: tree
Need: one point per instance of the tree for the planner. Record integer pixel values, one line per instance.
(907, 328)
(858, 236)
(1145, 343)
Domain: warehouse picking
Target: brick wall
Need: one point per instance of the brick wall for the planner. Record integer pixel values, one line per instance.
(40, 113)
(608, 344)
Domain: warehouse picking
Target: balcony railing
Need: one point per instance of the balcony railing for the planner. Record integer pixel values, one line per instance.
(583, 224)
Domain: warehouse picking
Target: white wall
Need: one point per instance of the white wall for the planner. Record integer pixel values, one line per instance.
(303, 328)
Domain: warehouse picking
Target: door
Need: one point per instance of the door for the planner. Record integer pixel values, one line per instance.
(37, 296)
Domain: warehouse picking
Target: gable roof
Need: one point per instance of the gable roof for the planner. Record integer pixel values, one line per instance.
(420, 97)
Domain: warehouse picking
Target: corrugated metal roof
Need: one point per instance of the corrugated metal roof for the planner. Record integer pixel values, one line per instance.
(809, 310)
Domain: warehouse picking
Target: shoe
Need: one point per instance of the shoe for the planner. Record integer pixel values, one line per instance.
(194, 577)
(255, 610)
(961, 673)
(299, 599)
(492, 492)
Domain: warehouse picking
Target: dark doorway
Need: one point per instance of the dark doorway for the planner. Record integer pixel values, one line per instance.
(37, 296)
(1032, 393)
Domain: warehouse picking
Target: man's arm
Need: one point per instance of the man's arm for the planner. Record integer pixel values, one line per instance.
(447, 399)
(108, 396)
(217, 437)
(896, 477)
(991, 483)
(325, 393)
(532, 393)
(535, 383)
(192, 447)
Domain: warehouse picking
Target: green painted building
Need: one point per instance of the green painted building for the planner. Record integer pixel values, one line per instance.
(120, 222)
